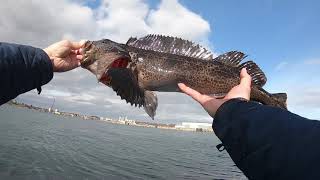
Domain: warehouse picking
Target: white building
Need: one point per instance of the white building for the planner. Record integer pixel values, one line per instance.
(191, 125)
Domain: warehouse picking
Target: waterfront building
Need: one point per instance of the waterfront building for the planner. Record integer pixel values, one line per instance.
(56, 111)
(194, 126)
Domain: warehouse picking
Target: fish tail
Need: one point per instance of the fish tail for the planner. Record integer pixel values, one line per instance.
(277, 99)
(150, 103)
(281, 99)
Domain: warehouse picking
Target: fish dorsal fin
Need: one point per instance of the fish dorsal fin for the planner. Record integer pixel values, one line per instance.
(172, 45)
(232, 58)
(257, 75)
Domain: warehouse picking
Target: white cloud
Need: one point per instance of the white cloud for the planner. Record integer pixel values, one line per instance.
(42, 22)
(120, 19)
(313, 62)
(281, 65)
(171, 18)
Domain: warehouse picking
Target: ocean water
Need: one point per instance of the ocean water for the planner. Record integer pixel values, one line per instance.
(37, 145)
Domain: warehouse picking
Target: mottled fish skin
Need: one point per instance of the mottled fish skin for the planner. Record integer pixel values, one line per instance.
(159, 63)
(162, 72)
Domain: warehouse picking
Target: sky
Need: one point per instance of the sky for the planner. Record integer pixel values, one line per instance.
(282, 37)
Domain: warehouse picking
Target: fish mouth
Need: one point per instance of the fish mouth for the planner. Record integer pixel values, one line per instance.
(99, 59)
(121, 62)
(88, 53)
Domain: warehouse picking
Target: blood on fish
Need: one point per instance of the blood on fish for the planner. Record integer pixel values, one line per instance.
(118, 63)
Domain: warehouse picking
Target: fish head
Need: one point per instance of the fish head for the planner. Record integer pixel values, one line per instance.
(100, 56)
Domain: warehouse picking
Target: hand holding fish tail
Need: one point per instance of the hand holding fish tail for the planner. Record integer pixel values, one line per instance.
(211, 104)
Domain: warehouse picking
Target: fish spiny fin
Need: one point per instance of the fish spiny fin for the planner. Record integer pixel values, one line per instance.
(257, 75)
(171, 45)
(232, 58)
(131, 40)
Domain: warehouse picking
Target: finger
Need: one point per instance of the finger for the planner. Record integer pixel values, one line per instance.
(245, 78)
(191, 92)
(75, 62)
(77, 45)
(79, 57)
(76, 51)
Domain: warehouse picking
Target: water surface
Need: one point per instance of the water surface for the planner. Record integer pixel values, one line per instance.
(37, 145)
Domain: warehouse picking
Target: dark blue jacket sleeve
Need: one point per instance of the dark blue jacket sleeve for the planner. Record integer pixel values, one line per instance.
(267, 142)
(22, 68)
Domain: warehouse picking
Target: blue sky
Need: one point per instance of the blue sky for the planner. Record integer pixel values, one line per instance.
(282, 37)
(268, 31)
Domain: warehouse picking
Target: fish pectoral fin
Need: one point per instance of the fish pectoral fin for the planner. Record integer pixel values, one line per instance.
(125, 84)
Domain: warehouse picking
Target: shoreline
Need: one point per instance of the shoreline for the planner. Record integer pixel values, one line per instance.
(121, 121)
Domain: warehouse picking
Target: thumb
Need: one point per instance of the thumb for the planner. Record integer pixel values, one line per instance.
(245, 78)
(192, 93)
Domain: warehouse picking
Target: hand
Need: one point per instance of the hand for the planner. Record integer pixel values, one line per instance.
(211, 104)
(65, 55)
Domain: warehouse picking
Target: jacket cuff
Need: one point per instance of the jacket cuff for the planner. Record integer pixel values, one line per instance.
(224, 115)
(46, 71)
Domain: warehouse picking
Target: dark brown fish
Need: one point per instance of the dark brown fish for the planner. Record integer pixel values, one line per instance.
(159, 63)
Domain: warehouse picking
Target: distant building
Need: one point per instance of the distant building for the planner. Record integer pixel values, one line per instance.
(194, 126)
(130, 122)
(125, 120)
(56, 111)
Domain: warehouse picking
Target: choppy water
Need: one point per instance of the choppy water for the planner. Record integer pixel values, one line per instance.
(37, 145)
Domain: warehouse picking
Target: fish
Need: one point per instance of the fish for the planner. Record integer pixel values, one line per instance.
(140, 67)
